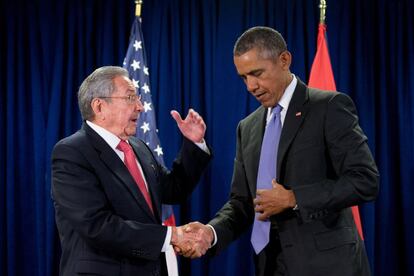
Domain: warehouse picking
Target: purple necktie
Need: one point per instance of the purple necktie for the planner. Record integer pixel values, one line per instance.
(267, 172)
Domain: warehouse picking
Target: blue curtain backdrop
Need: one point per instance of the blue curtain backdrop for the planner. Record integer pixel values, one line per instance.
(48, 47)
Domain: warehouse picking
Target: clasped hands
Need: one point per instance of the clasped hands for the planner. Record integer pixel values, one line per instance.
(192, 240)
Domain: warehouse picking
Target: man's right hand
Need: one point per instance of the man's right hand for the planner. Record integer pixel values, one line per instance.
(192, 127)
(192, 240)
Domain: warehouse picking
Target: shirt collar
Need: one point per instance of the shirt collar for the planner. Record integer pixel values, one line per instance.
(108, 136)
(286, 97)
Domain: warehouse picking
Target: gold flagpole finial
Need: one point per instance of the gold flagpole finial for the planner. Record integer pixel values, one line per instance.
(322, 9)
(138, 4)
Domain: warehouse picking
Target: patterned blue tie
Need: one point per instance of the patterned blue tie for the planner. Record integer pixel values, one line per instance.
(267, 172)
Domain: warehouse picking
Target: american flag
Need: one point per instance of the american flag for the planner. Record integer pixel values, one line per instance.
(136, 64)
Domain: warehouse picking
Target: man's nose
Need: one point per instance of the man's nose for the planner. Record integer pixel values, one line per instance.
(251, 84)
(139, 106)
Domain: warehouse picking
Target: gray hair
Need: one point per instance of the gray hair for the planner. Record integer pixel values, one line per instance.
(98, 84)
(268, 42)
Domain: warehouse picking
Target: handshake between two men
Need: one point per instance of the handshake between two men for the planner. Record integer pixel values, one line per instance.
(192, 240)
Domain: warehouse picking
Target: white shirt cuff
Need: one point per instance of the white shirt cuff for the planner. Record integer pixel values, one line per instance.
(203, 146)
(167, 240)
(215, 236)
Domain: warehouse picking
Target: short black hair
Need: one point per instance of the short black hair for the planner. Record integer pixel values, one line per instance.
(269, 42)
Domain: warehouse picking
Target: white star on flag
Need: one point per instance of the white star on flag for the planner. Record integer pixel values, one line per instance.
(158, 150)
(135, 65)
(136, 83)
(145, 88)
(147, 106)
(137, 45)
(145, 127)
(146, 71)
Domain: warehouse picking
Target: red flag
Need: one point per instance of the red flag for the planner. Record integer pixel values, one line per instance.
(321, 76)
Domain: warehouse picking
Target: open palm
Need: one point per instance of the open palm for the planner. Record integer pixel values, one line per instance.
(192, 127)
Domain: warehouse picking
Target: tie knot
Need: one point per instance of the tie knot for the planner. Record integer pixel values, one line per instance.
(123, 146)
(276, 110)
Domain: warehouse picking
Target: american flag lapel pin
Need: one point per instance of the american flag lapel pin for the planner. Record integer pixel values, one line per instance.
(298, 114)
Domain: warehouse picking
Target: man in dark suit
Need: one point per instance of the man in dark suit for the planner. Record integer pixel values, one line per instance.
(321, 166)
(108, 188)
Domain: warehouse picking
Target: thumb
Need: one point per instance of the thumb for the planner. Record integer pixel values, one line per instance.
(187, 228)
(176, 116)
(274, 183)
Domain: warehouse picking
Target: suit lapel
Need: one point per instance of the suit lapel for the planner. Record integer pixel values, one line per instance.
(254, 146)
(295, 116)
(117, 167)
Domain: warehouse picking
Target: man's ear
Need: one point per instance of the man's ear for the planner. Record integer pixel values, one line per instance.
(286, 59)
(97, 107)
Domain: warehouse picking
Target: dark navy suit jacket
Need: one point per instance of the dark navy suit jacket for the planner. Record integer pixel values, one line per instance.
(104, 223)
(324, 158)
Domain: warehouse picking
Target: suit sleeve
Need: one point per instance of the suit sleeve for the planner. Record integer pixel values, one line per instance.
(186, 171)
(355, 174)
(82, 205)
(238, 213)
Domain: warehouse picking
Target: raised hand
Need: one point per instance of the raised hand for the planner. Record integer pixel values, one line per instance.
(192, 127)
(273, 201)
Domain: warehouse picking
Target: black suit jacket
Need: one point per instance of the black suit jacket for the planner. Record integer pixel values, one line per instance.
(104, 223)
(324, 158)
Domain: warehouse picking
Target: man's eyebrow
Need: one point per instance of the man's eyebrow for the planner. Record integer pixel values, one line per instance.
(253, 72)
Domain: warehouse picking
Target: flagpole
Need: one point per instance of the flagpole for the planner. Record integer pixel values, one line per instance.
(322, 8)
(138, 4)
